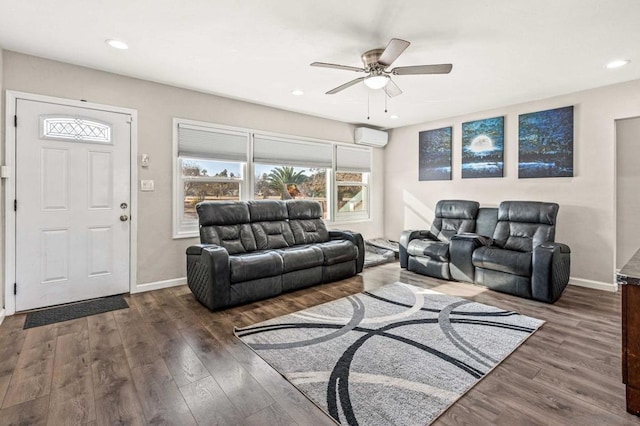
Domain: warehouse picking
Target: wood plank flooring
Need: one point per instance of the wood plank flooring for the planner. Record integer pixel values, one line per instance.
(168, 360)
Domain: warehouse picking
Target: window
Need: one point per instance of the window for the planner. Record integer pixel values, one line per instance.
(289, 182)
(212, 163)
(210, 166)
(353, 166)
(206, 180)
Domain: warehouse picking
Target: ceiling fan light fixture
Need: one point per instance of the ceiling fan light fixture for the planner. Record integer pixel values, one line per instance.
(376, 81)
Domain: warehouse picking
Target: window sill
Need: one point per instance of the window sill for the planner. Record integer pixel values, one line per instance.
(346, 221)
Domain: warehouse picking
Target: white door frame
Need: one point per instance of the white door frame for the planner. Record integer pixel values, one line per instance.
(10, 186)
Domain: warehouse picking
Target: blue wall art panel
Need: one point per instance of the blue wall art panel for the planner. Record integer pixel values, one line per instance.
(434, 156)
(546, 143)
(483, 148)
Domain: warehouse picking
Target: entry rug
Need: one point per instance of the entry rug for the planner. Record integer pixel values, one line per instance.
(398, 355)
(74, 311)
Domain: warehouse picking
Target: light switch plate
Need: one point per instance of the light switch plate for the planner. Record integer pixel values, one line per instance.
(4, 172)
(147, 185)
(144, 160)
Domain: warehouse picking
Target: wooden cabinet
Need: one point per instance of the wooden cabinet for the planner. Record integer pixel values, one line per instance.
(631, 345)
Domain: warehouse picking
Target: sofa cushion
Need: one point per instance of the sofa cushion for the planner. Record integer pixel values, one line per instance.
(338, 251)
(523, 225)
(305, 218)
(234, 238)
(267, 210)
(251, 266)
(222, 213)
(436, 250)
(454, 217)
(308, 231)
(497, 259)
(272, 235)
(301, 257)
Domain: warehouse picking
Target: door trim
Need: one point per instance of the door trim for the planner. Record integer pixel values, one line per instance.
(10, 186)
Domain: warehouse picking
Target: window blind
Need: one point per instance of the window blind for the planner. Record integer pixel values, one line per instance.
(353, 159)
(269, 150)
(206, 142)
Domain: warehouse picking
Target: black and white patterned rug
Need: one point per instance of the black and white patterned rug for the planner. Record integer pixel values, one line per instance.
(398, 355)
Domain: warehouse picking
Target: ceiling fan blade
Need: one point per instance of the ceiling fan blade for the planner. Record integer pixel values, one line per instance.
(336, 66)
(423, 69)
(392, 51)
(345, 86)
(392, 89)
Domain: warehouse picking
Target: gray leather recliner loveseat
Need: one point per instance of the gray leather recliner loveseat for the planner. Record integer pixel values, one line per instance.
(510, 249)
(252, 250)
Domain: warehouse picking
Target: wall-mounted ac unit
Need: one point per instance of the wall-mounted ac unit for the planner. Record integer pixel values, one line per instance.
(371, 137)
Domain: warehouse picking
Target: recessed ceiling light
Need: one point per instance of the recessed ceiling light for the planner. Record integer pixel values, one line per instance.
(393, 117)
(297, 92)
(617, 64)
(117, 44)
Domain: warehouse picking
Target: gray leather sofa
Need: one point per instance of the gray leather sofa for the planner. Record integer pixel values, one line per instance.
(511, 250)
(258, 249)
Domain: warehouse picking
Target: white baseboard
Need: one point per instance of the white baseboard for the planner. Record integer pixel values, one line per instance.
(3, 313)
(597, 285)
(157, 285)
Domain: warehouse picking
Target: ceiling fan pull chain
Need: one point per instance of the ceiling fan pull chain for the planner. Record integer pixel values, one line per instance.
(385, 103)
(368, 104)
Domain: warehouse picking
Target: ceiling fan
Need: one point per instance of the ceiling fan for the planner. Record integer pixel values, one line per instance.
(376, 62)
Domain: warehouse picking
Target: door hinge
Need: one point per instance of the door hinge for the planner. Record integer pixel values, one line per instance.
(15, 121)
(15, 205)
(15, 288)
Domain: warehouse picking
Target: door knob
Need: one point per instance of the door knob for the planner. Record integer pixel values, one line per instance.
(124, 218)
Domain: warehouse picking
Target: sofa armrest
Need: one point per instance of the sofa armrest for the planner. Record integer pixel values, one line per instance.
(355, 238)
(405, 239)
(551, 269)
(208, 275)
(461, 248)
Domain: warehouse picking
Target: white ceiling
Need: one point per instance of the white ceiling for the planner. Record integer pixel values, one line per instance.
(503, 51)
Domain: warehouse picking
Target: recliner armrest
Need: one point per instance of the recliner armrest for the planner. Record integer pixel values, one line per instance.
(480, 240)
(405, 239)
(551, 270)
(208, 274)
(355, 238)
(461, 248)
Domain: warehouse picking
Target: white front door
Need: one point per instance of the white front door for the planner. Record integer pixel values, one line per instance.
(73, 197)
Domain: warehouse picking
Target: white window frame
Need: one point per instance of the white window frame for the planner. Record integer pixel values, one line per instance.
(355, 215)
(189, 229)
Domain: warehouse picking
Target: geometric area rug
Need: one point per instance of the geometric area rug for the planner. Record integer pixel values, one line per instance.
(397, 355)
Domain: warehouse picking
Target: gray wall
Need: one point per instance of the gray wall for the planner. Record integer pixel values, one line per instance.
(587, 217)
(627, 189)
(159, 256)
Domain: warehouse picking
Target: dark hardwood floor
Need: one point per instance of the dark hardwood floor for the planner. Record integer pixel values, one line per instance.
(168, 360)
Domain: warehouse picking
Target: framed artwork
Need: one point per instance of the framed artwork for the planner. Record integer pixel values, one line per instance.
(434, 154)
(545, 143)
(483, 148)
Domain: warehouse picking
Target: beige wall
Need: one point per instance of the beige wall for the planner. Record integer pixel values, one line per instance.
(586, 220)
(627, 189)
(2, 101)
(159, 256)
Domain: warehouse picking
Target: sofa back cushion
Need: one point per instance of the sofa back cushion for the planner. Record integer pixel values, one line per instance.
(523, 225)
(454, 217)
(305, 218)
(486, 221)
(270, 225)
(226, 223)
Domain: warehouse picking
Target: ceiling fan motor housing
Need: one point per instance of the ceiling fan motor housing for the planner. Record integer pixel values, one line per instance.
(370, 59)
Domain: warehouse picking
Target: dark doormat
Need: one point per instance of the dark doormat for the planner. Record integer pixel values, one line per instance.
(74, 310)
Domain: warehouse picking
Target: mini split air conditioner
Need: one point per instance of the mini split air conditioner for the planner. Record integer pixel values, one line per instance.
(371, 137)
